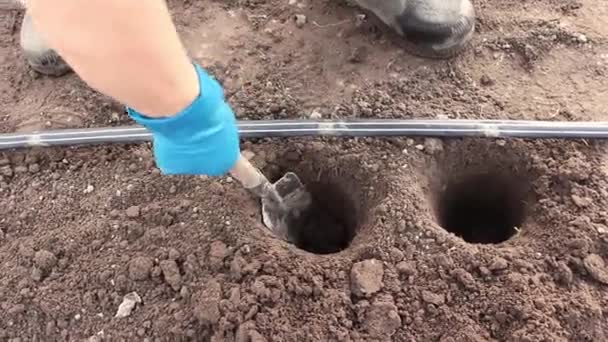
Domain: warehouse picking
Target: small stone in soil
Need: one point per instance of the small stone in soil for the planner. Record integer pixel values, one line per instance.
(34, 168)
(300, 20)
(582, 38)
(184, 292)
(433, 145)
(315, 115)
(133, 211)
(128, 304)
(486, 80)
(36, 274)
(366, 277)
(581, 202)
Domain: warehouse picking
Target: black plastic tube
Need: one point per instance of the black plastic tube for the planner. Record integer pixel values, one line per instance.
(341, 128)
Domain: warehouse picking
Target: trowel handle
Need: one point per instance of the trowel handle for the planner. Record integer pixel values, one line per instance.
(249, 176)
(253, 180)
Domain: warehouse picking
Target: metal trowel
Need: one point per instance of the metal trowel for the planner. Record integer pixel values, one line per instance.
(282, 202)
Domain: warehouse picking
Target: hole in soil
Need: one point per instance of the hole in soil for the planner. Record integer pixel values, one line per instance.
(331, 222)
(483, 207)
(343, 194)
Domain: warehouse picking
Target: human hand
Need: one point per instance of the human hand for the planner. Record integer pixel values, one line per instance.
(200, 140)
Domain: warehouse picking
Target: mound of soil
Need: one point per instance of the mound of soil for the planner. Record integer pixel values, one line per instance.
(422, 239)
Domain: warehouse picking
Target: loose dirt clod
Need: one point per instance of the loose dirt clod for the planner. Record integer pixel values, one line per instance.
(217, 253)
(206, 303)
(366, 277)
(433, 298)
(465, 278)
(140, 268)
(382, 318)
(45, 260)
(596, 267)
(171, 274)
(498, 264)
(6, 171)
(174, 254)
(255, 336)
(406, 268)
(564, 274)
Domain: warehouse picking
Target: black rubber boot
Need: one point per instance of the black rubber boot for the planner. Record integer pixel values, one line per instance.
(38, 54)
(438, 28)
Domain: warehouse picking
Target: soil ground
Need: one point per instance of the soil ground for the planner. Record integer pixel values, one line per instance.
(454, 240)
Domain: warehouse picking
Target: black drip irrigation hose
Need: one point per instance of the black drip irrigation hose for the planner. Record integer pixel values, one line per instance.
(449, 128)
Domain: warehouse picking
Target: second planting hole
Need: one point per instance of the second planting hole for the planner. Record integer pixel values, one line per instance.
(483, 208)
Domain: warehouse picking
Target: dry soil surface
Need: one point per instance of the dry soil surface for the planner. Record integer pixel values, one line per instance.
(454, 240)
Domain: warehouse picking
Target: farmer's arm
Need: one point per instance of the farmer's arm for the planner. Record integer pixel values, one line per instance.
(128, 50)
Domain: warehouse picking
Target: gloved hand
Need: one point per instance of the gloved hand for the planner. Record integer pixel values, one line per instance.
(201, 140)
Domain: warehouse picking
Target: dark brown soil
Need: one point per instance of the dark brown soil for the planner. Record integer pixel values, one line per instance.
(454, 240)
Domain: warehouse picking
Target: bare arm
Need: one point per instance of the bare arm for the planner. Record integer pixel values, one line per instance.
(128, 50)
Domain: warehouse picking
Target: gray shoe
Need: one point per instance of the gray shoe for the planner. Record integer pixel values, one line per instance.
(38, 54)
(433, 28)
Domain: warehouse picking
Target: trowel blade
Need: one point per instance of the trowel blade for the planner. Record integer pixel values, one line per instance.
(296, 199)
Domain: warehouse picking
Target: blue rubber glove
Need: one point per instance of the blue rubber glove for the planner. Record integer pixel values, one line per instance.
(200, 140)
